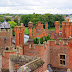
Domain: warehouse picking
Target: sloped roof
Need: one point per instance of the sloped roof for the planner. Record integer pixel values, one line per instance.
(29, 63)
(4, 25)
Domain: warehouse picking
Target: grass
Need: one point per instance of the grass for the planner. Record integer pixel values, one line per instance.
(53, 28)
(26, 30)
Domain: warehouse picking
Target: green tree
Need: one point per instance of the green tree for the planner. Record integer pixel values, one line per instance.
(8, 19)
(36, 40)
(1, 19)
(43, 18)
(1, 15)
(12, 25)
(41, 40)
(16, 20)
(7, 14)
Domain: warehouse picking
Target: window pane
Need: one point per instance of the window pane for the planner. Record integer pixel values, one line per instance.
(60, 61)
(60, 56)
(63, 62)
(63, 56)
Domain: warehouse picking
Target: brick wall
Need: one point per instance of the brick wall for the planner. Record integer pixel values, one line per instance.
(38, 51)
(55, 50)
(70, 54)
(5, 34)
(5, 58)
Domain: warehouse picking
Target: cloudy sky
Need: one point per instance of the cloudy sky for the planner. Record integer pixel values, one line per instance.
(36, 6)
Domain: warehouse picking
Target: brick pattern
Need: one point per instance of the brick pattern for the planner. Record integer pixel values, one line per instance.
(58, 49)
(5, 35)
(19, 35)
(39, 31)
(5, 58)
(38, 51)
(66, 29)
(70, 55)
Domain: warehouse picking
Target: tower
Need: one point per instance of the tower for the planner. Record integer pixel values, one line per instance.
(5, 35)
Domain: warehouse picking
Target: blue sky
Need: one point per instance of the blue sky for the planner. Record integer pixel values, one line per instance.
(36, 6)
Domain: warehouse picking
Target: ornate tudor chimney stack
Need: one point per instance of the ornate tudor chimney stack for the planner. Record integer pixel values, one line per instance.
(57, 27)
(30, 25)
(46, 25)
(19, 35)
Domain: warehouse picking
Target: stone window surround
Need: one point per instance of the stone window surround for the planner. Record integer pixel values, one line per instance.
(59, 59)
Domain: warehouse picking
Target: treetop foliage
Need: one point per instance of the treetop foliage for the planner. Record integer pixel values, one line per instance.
(50, 18)
(12, 25)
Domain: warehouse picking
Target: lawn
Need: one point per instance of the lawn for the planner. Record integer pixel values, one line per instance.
(26, 30)
(53, 28)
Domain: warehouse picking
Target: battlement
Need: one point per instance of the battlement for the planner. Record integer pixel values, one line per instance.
(4, 30)
(5, 33)
(48, 43)
(59, 42)
(18, 50)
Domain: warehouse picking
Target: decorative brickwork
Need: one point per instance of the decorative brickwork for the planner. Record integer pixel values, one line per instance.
(5, 38)
(19, 35)
(66, 29)
(50, 52)
(39, 31)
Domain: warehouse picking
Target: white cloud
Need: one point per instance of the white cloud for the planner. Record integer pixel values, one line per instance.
(37, 6)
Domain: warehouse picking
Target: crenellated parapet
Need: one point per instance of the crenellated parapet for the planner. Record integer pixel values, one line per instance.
(6, 33)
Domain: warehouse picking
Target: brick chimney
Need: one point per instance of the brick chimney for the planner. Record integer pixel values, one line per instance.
(67, 29)
(30, 25)
(63, 29)
(57, 27)
(46, 25)
(19, 35)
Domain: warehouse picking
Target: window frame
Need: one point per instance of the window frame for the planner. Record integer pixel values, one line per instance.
(62, 59)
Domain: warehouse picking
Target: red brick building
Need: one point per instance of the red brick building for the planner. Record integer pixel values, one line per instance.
(57, 53)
